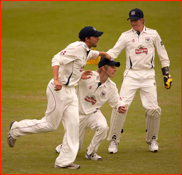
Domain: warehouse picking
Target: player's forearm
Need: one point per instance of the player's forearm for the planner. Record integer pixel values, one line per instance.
(58, 85)
(55, 72)
(118, 47)
(161, 51)
(101, 53)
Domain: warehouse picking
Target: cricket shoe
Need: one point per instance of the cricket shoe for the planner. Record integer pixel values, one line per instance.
(71, 166)
(154, 146)
(93, 156)
(58, 148)
(113, 147)
(11, 141)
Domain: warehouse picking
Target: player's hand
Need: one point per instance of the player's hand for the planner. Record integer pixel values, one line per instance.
(122, 109)
(58, 85)
(106, 55)
(86, 74)
(167, 77)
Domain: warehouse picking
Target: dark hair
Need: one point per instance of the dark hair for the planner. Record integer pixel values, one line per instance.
(83, 39)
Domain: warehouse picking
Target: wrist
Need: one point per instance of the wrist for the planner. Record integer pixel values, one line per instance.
(165, 70)
(56, 79)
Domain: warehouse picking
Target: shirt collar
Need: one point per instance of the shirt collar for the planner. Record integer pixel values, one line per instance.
(85, 46)
(97, 79)
(143, 31)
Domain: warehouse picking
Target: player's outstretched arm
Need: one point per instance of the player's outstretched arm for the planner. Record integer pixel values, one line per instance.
(106, 55)
(86, 74)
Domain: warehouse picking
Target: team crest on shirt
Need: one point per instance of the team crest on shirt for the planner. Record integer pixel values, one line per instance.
(103, 94)
(133, 40)
(90, 87)
(147, 39)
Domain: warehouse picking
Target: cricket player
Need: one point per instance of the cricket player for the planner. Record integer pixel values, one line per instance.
(67, 67)
(139, 44)
(93, 93)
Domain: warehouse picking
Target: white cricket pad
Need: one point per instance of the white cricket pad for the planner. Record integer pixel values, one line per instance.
(116, 125)
(152, 124)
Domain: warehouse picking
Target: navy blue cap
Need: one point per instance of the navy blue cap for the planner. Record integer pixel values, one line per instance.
(89, 31)
(135, 14)
(105, 61)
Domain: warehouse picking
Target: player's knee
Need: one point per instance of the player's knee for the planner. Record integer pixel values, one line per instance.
(53, 128)
(102, 131)
(156, 113)
(106, 128)
(103, 128)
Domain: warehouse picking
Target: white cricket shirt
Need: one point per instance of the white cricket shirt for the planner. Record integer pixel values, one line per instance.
(92, 97)
(72, 60)
(140, 49)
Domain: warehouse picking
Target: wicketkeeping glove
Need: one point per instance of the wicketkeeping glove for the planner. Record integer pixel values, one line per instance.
(167, 77)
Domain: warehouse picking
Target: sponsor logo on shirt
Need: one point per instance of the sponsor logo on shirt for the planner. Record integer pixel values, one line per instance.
(141, 50)
(91, 99)
(63, 52)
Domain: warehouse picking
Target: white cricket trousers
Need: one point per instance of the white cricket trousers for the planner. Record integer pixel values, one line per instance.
(62, 106)
(144, 80)
(97, 122)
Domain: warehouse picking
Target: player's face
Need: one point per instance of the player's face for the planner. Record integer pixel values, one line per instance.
(137, 24)
(92, 41)
(110, 71)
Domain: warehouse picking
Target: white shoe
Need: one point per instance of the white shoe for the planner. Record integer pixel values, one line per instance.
(113, 147)
(58, 148)
(153, 146)
(71, 166)
(93, 156)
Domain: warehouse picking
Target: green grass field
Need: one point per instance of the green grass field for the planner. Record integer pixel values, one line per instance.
(32, 32)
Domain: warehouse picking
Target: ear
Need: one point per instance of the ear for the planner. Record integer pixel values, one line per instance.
(87, 39)
(103, 68)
